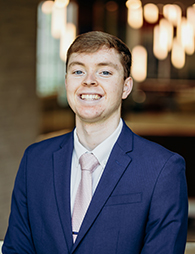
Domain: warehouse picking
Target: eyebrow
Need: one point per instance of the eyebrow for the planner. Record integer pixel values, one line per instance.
(99, 64)
(75, 63)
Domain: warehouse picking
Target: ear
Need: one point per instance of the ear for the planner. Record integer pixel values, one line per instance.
(127, 88)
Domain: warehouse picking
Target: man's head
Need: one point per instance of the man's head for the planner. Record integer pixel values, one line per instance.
(93, 41)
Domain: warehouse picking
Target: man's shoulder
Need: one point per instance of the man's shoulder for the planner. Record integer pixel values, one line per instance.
(149, 148)
(50, 144)
(152, 156)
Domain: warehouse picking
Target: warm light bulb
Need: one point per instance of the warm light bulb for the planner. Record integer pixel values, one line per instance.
(177, 55)
(58, 21)
(172, 12)
(135, 17)
(67, 37)
(151, 13)
(168, 27)
(190, 13)
(185, 35)
(139, 66)
(160, 42)
(61, 3)
(134, 4)
(47, 7)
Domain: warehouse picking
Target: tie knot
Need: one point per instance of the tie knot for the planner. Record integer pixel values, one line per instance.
(88, 162)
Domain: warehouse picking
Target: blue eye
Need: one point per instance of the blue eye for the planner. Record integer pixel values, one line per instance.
(106, 73)
(78, 72)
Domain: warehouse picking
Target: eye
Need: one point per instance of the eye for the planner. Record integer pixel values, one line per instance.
(105, 73)
(78, 72)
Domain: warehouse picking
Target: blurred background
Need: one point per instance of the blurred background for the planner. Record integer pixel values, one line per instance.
(34, 37)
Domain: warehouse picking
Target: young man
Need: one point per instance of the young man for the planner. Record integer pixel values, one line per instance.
(139, 195)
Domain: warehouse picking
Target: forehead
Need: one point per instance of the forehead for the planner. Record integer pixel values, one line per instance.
(103, 55)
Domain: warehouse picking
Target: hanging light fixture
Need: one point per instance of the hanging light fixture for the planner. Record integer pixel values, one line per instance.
(58, 20)
(185, 35)
(139, 67)
(172, 12)
(135, 13)
(177, 55)
(47, 7)
(168, 27)
(61, 3)
(69, 32)
(68, 36)
(190, 14)
(160, 42)
(133, 4)
(151, 13)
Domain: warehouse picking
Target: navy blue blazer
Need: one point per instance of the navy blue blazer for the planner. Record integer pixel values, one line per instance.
(140, 204)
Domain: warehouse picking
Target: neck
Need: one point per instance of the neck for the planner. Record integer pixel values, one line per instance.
(92, 134)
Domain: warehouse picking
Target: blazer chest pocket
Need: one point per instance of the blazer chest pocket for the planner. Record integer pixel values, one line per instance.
(124, 199)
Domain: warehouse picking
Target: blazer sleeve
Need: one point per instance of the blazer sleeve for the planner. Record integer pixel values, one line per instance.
(166, 229)
(18, 238)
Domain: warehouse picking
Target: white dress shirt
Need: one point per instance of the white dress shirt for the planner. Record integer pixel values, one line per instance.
(102, 153)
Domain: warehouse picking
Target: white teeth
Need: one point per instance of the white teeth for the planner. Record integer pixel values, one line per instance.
(90, 96)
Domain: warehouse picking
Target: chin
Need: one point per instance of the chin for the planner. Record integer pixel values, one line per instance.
(90, 118)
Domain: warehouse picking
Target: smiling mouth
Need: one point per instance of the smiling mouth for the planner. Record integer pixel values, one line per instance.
(90, 97)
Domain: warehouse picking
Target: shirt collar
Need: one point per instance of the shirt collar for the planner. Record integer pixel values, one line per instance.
(103, 150)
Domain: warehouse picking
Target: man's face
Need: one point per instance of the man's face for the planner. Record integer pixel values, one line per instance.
(95, 85)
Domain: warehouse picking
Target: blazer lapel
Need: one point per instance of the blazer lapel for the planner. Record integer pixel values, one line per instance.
(114, 170)
(62, 168)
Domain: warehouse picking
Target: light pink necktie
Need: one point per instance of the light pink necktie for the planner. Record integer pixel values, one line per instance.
(88, 164)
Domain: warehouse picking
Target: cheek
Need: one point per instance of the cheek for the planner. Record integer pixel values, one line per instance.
(70, 95)
(116, 91)
(68, 91)
(71, 87)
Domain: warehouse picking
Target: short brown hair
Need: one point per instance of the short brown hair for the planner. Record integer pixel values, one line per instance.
(92, 41)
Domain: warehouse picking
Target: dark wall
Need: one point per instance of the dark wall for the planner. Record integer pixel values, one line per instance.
(19, 107)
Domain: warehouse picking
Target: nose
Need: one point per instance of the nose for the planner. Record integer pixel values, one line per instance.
(90, 79)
